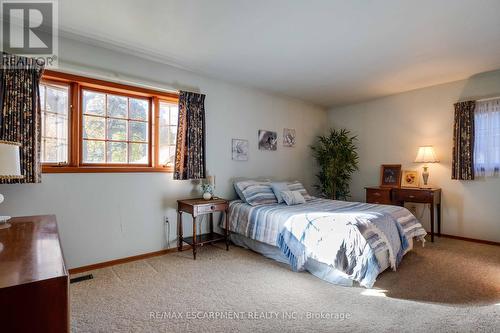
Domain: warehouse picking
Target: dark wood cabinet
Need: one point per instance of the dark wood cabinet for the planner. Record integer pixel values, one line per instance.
(378, 195)
(398, 196)
(34, 292)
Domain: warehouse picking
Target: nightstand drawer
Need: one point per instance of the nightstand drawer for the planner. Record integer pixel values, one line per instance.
(378, 196)
(412, 195)
(204, 209)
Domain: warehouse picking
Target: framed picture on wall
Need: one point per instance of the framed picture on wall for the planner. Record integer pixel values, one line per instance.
(390, 175)
(289, 137)
(268, 140)
(410, 178)
(239, 150)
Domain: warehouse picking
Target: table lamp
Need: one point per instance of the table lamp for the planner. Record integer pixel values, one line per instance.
(10, 168)
(426, 154)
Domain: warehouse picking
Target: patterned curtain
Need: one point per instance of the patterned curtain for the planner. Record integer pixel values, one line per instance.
(190, 150)
(463, 141)
(20, 112)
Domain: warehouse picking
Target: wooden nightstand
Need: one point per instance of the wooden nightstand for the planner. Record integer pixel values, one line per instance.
(197, 207)
(379, 195)
(398, 196)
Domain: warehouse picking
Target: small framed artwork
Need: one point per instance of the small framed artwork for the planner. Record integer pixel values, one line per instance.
(268, 140)
(410, 178)
(240, 150)
(390, 175)
(288, 137)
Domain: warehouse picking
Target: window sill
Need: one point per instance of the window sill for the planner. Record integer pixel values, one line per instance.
(95, 169)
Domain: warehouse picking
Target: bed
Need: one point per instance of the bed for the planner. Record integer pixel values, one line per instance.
(340, 242)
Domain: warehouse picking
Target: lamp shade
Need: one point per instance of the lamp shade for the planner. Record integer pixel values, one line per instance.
(426, 154)
(10, 165)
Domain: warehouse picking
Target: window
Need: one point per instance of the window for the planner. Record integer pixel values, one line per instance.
(91, 125)
(167, 132)
(54, 106)
(115, 129)
(487, 138)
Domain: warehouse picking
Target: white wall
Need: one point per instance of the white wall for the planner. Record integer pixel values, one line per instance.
(108, 216)
(390, 130)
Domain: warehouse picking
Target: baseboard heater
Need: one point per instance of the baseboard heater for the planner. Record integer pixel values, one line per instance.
(81, 278)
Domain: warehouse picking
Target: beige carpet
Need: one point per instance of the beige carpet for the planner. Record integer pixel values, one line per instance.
(448, 286)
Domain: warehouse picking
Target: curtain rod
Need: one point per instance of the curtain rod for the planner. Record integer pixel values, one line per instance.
(487, 99)
(479, 99)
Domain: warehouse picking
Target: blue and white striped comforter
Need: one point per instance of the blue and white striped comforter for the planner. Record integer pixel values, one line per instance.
(345, 235)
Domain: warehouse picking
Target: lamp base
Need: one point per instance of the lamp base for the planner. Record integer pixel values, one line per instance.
(425, 177)
(3, 222)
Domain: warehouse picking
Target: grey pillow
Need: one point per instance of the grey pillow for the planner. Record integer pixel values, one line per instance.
(277, 188)
(293, 197)
(297, 186)
(238, 191)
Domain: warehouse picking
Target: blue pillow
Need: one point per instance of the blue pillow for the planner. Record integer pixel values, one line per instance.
(277, 188)
(256, 193)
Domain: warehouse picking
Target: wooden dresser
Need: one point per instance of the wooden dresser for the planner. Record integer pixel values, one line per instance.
(398, 196)
(34, 292)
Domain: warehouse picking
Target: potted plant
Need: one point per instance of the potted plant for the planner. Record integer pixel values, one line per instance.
(337, 156)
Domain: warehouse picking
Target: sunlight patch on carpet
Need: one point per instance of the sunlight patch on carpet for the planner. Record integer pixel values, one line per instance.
(374, 292)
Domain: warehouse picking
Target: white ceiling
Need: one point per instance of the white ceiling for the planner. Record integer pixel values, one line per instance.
(330, 52)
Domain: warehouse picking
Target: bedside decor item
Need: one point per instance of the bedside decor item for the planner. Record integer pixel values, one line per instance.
(10, 168)
(410, 178)
(208, 188)
(197, 207)
(268, 140)
(207, 191)
(239, 150)
(288, 137)
(426, 154)
(337, 156)
(390, 175)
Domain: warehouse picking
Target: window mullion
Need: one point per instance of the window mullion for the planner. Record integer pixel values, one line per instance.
(154, 133)
(75, 119)
(128, 130)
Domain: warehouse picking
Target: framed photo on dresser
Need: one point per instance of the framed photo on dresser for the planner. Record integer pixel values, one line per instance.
(410, 178)
(390, 175)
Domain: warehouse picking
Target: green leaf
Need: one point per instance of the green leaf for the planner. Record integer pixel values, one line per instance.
(337, 156)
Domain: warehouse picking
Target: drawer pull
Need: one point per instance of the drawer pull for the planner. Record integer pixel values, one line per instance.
(411, 196)
(212, 207)
(377, 194)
